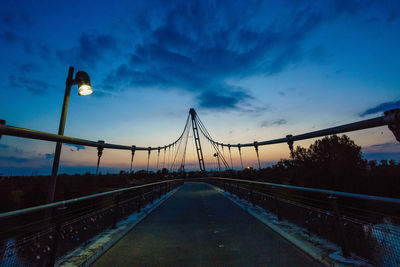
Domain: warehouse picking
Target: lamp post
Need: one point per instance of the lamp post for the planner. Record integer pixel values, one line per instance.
(84, 88)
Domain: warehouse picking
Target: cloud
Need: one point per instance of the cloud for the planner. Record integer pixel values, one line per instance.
(13, 159)
(183, 46)
(29, 67)
(382, 156)
(16, 17)
(8, 148)
(34, 86)
(3, 146)
(11, 38)
(192, 50)
(214, 99)
(91, 48)
(101, 94)
(381, 108)
(389, 147)
(266, 124)
(77, 147)
(49, 155)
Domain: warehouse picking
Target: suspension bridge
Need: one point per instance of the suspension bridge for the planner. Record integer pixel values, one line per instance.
(204, 220)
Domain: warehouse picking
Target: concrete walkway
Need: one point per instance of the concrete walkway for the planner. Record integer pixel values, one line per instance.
(198, 226)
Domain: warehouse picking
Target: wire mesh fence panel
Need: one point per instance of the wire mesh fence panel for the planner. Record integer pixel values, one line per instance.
(370, 235)
(34, 250)
(35, 241)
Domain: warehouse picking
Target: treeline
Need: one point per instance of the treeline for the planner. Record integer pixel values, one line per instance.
(333, 163)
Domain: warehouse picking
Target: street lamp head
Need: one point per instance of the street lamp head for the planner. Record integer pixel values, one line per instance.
(83, 81)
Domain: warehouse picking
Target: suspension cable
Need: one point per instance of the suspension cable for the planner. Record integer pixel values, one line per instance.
(230, 154)
(158, 157)
(240, 154)
(208, 136)
(184, 151)
(180, 141)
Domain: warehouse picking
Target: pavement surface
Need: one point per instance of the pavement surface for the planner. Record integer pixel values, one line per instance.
(198, 226)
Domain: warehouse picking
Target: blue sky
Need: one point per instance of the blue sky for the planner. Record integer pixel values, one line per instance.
(253, 70)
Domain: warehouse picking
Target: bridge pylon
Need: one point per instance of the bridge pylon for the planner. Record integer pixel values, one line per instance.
(193, 115)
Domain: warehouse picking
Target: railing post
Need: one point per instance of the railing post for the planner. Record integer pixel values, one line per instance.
(276, 203)
(258, 156)
(133, 149)
(339, 227)
(252, 197)
(236, 190)
(116, 211)
(392, 117)
(139, 200)
(2, 125)
(152, 195)
(99, 154)
(290, 142)
(57, 233)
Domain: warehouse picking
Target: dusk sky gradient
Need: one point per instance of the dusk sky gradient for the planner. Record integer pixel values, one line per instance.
(253, 70)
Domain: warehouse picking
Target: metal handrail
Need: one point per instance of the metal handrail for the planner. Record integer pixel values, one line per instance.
(315, 190)
(14, 213)
(391, 118)
(306, 189)
(45, 136)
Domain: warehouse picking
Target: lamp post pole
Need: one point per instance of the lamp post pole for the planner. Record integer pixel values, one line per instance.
(53, 180)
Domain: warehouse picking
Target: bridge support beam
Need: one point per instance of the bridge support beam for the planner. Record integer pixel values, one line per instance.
(197, 140)
(392, 117)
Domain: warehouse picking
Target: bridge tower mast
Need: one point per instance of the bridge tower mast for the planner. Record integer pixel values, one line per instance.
(193, 115)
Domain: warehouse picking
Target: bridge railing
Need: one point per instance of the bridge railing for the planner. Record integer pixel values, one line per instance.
(362, 225)
(29, 237)
(391, 118)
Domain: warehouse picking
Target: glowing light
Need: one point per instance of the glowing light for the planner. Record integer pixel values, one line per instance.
(83, 81)
(85, 89)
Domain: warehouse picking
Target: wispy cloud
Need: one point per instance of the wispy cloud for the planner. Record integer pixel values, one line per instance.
(29, 67)
(384, 147)
(34, 86)
(4, 147)
(278, 122)
(10, 149)
(381, 108)
(49, 155)
(16, 17)
(13, 159)
(91, 49)
(77, 147)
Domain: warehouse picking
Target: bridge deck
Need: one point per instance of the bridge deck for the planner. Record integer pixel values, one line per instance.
(197, 226)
